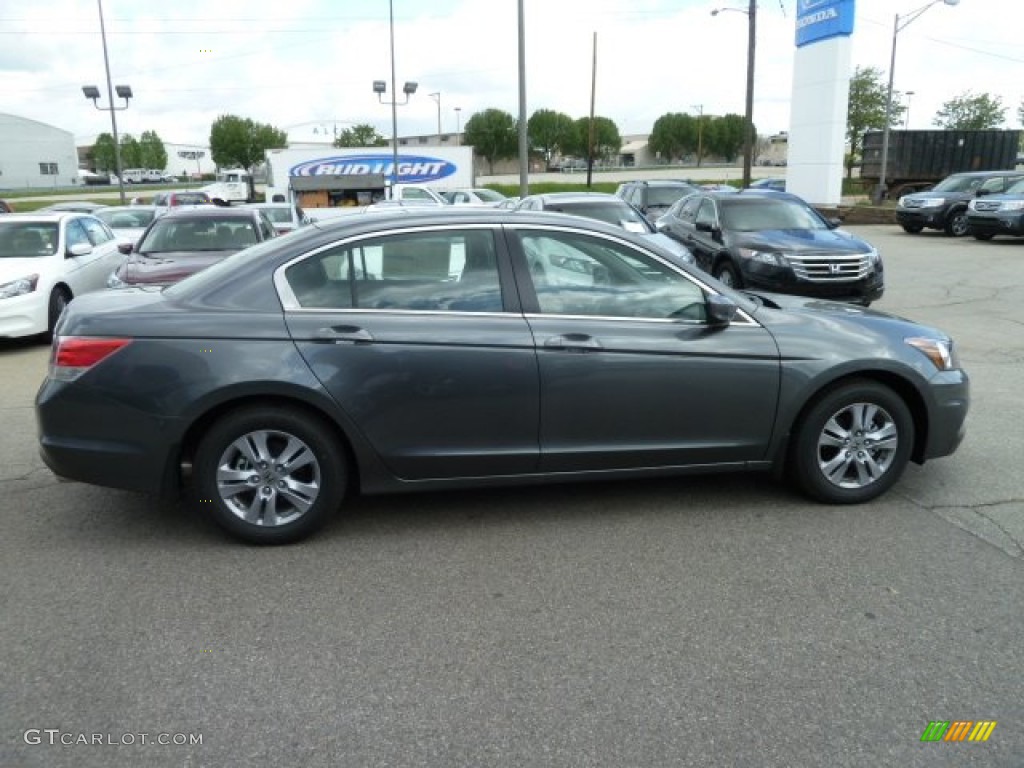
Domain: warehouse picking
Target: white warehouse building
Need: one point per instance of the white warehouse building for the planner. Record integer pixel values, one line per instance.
(34, 154)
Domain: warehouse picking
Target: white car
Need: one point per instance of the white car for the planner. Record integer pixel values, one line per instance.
(128, 221)
(477, 196)
(284, 216)
(45, 261)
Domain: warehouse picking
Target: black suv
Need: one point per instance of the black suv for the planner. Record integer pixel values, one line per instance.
(774, 241)
(944, 206)
(653, 198)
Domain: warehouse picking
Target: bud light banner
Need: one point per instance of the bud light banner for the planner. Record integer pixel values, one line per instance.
(818, 20)
(412, 169)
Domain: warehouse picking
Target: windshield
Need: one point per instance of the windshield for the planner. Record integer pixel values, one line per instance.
(220, 271)
(663, 197)
(278, 215)
(126, 219)
(753, 215)
(489, 195)
(27, 239)
(959, 184)
(617, 213)
(206, 234)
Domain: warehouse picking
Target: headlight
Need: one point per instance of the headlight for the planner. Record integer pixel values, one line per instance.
(939, 351)
(114, 281)
(874, 256)
(765, 257)
(19, 287)
(933, 202)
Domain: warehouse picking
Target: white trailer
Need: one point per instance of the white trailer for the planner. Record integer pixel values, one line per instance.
(355, 177)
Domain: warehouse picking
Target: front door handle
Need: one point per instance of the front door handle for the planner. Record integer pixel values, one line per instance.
(580, 342)
(338, 333)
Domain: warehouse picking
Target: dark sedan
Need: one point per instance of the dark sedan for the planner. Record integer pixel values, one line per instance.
(998, 214)
(774, 241)
(478, 347)
(187, 240)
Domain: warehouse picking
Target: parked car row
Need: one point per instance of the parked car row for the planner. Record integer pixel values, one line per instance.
(467, 347)
(981, 203)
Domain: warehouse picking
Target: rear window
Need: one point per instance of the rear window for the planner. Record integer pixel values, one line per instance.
(189, 198)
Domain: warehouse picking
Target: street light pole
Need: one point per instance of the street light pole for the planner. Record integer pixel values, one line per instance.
(748, 128)
(897, 27)
(906, 118)
(458, 125)
(380, 88)
(748, 119)
(437, 98)
(123, 91)
(700, 131)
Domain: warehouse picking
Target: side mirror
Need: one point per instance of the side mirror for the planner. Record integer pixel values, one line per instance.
(79, 249)
(703, 226)
(125, 248)
(982, 192)
(834, 223)
(721, 310)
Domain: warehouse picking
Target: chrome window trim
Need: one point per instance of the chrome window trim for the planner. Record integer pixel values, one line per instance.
(291, 304)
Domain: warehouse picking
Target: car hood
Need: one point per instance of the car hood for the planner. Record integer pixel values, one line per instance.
(673, 246)
(15, 269)
(792, 319)
(800, 240)
(943, 195)
(167, 268)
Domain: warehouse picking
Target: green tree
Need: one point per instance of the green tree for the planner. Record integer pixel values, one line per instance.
(866, 110)
(971, 112)
(548, 132)
(104, 157)
(723, 136)
(242, 142)
(607, 140)
(131, 152)
(362, 135)
(152, 151)
(673, 135)
(492, 134)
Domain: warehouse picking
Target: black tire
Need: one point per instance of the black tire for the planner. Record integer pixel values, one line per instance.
(912, 229)
(59, 298)
(983, 235)
(863, 463)
(726, 272)
(956, 223)
(276, 513)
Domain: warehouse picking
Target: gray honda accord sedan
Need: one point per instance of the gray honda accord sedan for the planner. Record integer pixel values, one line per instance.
(478, 347)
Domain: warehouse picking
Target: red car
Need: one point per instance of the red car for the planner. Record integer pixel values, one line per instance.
(187, 240)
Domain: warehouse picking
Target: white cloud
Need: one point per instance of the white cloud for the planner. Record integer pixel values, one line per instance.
(313, 61)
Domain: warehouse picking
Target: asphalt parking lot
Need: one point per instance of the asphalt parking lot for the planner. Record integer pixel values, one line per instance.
(719, 621)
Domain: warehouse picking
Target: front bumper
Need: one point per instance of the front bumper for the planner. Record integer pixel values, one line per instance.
(947, 414)
(782, 280)
(928, 218)
(1004, 224)
(24, 315)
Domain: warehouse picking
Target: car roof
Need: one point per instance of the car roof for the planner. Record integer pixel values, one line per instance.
(44, 216)
(208, 212)
(579, 197)
(136, 207)
(662, 183)
(983, 174)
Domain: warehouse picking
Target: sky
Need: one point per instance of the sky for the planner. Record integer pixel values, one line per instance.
(307, 66)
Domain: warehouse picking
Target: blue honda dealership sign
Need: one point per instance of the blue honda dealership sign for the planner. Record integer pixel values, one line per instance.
(818, 20)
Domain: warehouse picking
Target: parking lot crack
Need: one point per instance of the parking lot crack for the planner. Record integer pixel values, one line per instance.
(985, 520)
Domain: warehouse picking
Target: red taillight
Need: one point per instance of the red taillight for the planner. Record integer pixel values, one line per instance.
(74, 355)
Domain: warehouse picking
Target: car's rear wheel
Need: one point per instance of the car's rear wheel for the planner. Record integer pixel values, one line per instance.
(912, 229)
(956, 223)
(853, 444)
(727, 274)
(59, 298)
(983, 235)
(269, 475)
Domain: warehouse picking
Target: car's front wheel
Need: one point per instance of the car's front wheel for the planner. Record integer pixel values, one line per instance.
(269, 475)
(727, 274)
(956, 223)
(59, 298)
(853, 444)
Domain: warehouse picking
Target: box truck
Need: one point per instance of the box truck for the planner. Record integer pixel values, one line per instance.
(330, 181)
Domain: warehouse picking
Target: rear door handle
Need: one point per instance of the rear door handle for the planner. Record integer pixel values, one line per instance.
(580, 342)
(338, 333)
